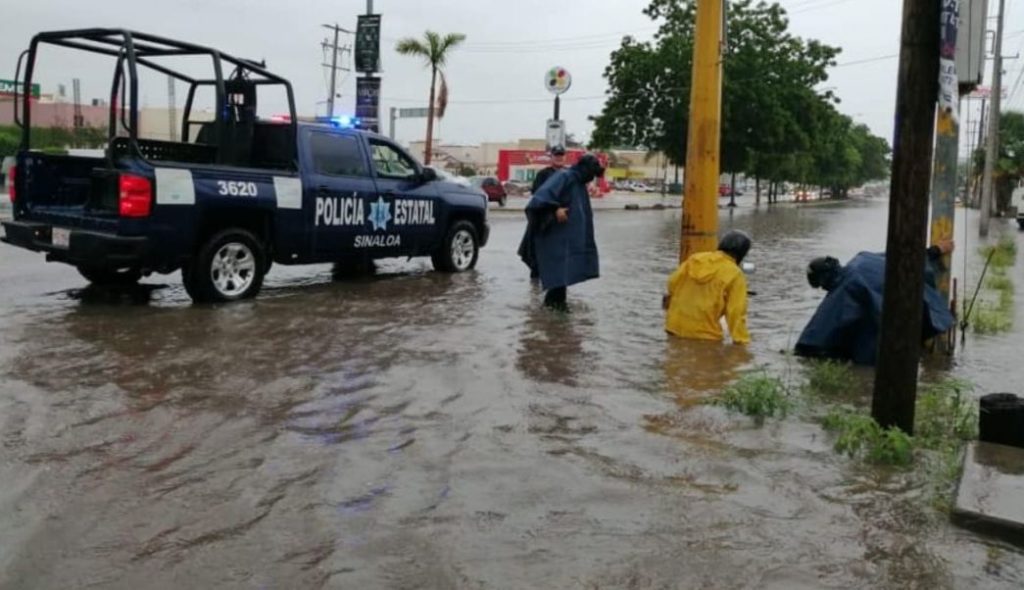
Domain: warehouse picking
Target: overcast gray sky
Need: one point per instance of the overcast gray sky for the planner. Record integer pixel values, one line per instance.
(496, 78)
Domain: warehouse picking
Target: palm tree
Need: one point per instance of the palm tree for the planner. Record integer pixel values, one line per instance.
(434, 49)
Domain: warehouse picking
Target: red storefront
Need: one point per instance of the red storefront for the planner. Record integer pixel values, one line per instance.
(523, 165)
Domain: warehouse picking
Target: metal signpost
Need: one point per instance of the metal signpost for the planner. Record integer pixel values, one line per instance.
(558, 81)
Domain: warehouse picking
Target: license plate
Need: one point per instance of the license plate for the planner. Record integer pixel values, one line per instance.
(60, 237)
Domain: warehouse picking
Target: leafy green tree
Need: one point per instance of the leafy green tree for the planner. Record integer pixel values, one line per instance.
(775, 125)
(434, 50)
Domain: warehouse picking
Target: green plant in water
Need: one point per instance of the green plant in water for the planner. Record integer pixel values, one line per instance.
(991, 319)
(946, 418)
(828, 378)
(999, 282)
(860, 436)
(757, 395)
(945, 415)
(1004, 253)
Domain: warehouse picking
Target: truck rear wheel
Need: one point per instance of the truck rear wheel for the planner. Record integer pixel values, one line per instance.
(228, 267)
(110, 277)
(460, 249)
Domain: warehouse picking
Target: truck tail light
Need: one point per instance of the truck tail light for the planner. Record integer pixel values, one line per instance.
(11, 177)
(135, 196)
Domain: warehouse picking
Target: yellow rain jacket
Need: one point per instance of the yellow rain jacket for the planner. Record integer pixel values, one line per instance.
(703, 289)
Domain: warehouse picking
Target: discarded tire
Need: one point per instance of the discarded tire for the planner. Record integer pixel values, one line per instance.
(1001, 420)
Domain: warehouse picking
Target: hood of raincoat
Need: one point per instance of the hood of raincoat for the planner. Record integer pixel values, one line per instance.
(704, 266)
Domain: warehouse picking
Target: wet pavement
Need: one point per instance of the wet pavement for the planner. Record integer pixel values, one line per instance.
(419, 430)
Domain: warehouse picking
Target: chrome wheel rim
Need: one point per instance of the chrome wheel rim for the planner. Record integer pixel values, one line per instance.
(463, 248)
(233, 269)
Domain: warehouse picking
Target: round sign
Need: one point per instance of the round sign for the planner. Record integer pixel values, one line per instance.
(557, 80)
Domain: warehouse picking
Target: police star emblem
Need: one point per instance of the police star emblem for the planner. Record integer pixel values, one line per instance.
(380, 214)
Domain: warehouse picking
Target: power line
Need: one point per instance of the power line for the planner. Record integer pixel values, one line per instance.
(488, 101)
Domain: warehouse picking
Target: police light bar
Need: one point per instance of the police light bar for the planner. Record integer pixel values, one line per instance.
(343, 121)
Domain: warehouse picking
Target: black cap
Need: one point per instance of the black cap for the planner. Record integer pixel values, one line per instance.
(822, 272)
(558, 151)
(735, 243)
(589, 167)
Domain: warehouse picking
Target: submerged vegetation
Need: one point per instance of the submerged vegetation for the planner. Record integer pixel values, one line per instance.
(993, 313)
(758, 395)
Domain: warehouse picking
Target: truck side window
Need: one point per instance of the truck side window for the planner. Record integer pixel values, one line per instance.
(390, 163)
(337, 155)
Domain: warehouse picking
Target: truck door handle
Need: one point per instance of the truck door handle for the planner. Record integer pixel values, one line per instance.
(321, 190)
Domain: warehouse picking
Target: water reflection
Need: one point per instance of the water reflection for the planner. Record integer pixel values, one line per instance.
(551, 347)
(695, 368)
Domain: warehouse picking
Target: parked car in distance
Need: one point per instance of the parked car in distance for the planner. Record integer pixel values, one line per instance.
(517, 188)
(449, 177)
(492, 187)
(725, 190)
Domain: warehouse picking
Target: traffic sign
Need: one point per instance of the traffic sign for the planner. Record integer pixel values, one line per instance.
(368, 44)
(7, 88)
(414, 113)
(558, 80)
(555, 134)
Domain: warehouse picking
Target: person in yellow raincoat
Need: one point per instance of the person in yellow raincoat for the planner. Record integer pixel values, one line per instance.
(706, 287)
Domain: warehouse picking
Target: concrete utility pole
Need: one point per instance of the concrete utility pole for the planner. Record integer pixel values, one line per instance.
(334, 49)
(703, 148)
(900, 339)
(947, 150)
(992, 153)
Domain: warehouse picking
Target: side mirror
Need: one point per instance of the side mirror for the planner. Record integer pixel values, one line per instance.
(428, 174)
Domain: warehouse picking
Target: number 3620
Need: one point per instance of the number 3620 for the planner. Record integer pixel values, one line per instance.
(238, 189)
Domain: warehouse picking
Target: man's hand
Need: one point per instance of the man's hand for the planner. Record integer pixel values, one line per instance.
(946, 246)
(562, 215)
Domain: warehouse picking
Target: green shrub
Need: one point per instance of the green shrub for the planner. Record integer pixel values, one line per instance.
(860, 436)
(991, 319)
(999, 282)
(1004, 253)
(829, 378)
(758, 395)
(946, 415)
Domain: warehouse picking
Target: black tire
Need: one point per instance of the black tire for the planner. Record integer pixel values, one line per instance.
(110, 277)
(460, 249)
(228, 267)
(1020, 224)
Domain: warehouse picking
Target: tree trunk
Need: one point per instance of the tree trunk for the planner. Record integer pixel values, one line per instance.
(757, 191)
(428, 150)
(732, 190)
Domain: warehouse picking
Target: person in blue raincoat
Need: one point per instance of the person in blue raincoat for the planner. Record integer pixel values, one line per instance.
(848, 321)
(559, 245)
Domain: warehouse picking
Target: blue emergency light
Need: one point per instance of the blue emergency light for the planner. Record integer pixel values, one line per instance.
(342, 121)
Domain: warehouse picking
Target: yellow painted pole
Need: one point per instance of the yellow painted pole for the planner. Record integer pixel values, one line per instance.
(700, 201)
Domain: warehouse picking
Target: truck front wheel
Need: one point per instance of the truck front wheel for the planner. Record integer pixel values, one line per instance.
(228, 267)
(460, 249)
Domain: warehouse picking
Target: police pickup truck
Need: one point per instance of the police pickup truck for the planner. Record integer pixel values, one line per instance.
(235, 193)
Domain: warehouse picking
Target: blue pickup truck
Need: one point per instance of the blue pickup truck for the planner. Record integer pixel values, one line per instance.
(235, 194)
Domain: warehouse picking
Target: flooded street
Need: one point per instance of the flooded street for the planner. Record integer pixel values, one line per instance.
(420, 430)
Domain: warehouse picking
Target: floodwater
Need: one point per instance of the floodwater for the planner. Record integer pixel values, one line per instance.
(419, 430)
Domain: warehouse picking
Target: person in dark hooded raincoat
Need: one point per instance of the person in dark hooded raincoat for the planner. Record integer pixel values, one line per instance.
(559, 245)
(848, 321)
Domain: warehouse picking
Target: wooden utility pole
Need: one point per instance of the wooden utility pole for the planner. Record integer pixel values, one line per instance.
(703, 148)
(992, 152)
(900, 339)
